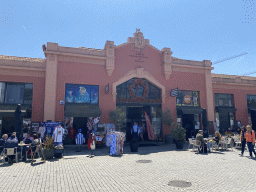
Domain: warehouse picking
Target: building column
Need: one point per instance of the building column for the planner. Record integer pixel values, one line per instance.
(50, 83)
(209, 96)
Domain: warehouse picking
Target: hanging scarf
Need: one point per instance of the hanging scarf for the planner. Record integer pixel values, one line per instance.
(151, 135)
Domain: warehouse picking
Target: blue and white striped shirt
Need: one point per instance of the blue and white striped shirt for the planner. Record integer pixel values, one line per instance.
(80, 138)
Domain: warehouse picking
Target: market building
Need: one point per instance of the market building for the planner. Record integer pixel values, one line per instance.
(132, 78)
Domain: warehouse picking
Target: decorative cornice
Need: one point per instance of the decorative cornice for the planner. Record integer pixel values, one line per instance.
(110, 57)
(167, 58)
(22, 72)
(74, 55)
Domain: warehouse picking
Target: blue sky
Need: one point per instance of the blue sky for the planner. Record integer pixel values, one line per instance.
(193, 29)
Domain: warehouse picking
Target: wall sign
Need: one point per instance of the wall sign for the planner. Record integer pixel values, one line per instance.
(174, 92)
(187, 99)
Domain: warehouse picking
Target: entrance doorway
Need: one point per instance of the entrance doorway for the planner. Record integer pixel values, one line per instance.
(188, 124)
(8, 125)
(80, 123)
(136, 114)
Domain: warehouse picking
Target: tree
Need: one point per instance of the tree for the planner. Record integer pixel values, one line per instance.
(118, 116)
(167, 119)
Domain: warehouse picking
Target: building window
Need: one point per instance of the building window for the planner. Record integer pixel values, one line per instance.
(16, 93)
(82, 93)
(138, 90)
(187, 98)
(225, 100)
(251, 100)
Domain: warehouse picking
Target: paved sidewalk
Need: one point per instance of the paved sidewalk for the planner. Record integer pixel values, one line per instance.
(150, 169)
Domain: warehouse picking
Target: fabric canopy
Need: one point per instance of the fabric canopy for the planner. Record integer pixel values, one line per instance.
(8, 110)
(82, 111)
(226, 109)
(252, 108)
(190, 110)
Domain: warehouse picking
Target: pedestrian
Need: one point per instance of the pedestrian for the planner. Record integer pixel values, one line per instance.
(93, 144)
(250, 139)
(243, 139)
(135, 130)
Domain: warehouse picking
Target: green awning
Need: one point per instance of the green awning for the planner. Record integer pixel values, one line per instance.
(252, 108)
(190, 110)
(225, 109)
(8, 110)
(80, 110)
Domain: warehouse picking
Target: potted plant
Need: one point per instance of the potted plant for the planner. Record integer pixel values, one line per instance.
(58, 150)
(168, 121)
(179, 134)
(134, 145)
(48, 147)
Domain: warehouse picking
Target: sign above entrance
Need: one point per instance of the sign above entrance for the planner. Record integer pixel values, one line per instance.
(138, 56)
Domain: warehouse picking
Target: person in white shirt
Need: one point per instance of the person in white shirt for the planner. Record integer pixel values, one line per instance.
(135, 130)
(58, 134)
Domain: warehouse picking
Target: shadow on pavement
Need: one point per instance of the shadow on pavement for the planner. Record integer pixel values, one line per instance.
(144, 149)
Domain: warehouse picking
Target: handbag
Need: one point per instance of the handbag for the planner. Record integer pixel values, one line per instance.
(93, 145)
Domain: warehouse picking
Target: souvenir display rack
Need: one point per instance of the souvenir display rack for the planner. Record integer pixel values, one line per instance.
(116, 140)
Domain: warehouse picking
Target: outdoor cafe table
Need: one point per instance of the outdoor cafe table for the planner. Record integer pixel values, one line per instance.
(21, 148)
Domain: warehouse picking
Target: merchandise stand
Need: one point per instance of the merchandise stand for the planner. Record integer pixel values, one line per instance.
(116, 142)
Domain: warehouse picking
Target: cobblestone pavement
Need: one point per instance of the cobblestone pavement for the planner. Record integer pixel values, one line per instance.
(216, 171)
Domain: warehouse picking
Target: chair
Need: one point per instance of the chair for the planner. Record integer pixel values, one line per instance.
(215, 146)
(10, 151)
(34, 151)
(1, 152)
(191, 142)
(196, 144)
(230, 142)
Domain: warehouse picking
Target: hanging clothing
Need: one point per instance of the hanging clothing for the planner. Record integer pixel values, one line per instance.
(89, 141)
(58, 134)
(90, 123)
(71, 133)
(80, 139)
(151, 135)
(42, 131)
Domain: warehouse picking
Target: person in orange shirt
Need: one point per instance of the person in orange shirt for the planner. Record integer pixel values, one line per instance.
(250, 139)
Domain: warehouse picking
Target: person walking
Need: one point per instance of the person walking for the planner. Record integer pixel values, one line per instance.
(250, 139)
(243, 139)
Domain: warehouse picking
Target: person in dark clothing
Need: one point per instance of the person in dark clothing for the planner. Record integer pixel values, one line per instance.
(217, 137)
(2, 142)
(12, 143)
(243, 139)
(188, 131)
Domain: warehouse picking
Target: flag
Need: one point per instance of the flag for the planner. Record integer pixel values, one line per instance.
(151, 135)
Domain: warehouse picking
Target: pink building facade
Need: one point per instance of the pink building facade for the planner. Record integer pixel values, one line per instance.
(72, 82)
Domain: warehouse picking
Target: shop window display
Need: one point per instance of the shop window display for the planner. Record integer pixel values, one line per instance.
(251, 100)
(225, 100)
(187, 98)
(138, 90)
(82, 93)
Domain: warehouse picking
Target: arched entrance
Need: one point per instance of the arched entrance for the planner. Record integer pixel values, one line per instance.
(136, 94)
